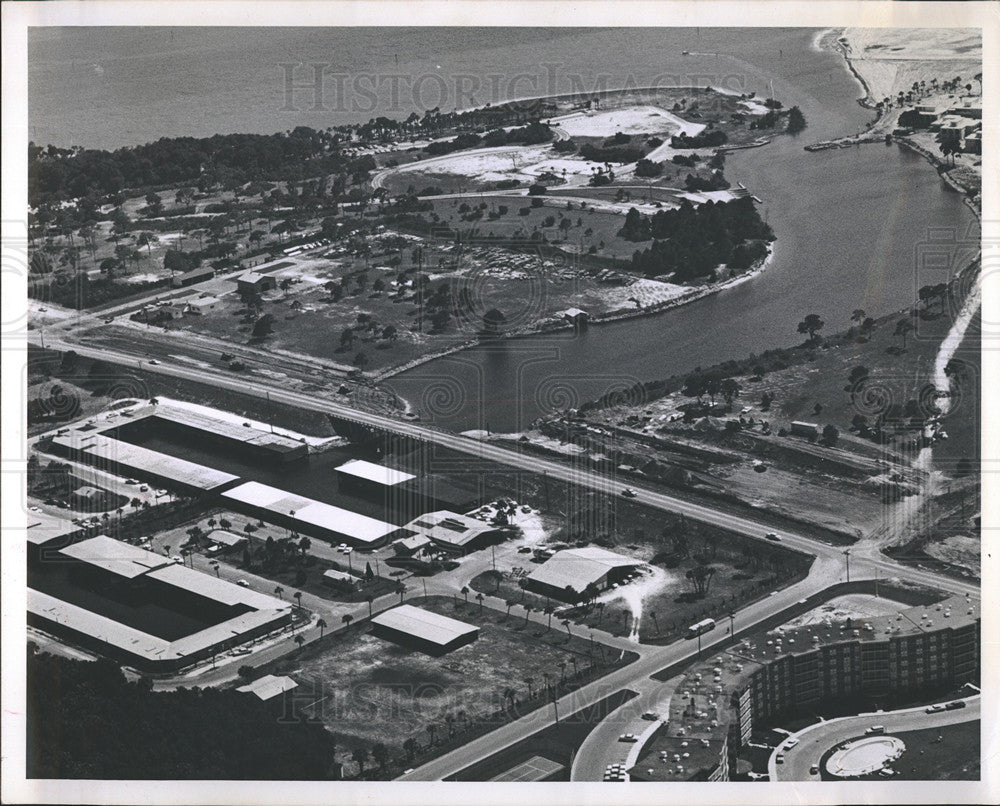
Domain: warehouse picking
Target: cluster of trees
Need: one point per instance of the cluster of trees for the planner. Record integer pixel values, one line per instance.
(708, 138)
(85, 720)
(57, 173)
(611, 153)
(534, 132)
(795, 120)
(691, 242)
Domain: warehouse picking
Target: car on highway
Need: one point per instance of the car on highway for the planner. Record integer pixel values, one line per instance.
(628, 492)
(524, 550)
(934, 709)
(875, 730)
(628, 737)
(241, 650)
(773, 536)
(131, 481)
(814, 769)
(955, 705)
(791, 743)
(779, 759)
(153, 361)
(650, 716)
(34, 509)
(242, 583)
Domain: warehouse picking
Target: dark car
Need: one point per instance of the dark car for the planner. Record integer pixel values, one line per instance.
(955, 705)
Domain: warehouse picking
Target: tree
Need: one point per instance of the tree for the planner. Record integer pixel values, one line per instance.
(565, 624)
(465, 593)
(831, 435)
(262, 327)
(811, 324)
(480, 598)
(321, 623)
(700, 577)
(298, 598)
(347, 618)
(381, 754)
(300, 640)
(527, 612)
(903, 327)
(360, 756)
(796, 120)
(730, 388)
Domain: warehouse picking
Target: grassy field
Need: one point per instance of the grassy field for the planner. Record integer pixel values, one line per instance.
(369, 690)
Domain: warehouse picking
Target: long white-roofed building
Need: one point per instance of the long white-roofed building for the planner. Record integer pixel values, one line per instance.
(310, 517)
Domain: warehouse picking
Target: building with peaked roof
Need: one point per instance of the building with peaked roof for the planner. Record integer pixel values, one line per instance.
(568, 574)
(454, 533)
(423, 630)
(252, 282)
(310, 517)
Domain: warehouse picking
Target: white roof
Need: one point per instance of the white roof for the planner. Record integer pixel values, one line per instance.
(218, 590)
(577, 568)
(424, 624)
(340, 576)
(449, 527)
(572, 313)
(269, 686)
(311, 513)
(115, 556)
(373, 472)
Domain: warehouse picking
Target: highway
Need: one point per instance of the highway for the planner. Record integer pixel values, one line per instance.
(830, 564)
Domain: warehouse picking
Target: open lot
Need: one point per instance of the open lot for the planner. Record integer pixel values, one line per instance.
(369, 690)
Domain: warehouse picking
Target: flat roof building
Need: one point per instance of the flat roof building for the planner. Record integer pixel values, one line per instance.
(125, 459)
(372, 480)
(103, 602)
(269, 687)
(309, 517)
(423, 630)
(567, 574)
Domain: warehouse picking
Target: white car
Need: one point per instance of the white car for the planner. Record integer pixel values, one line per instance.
(153, 361)
(34, 509)
(177, 558)
(242, 583)
(628, 737)
(773, 536)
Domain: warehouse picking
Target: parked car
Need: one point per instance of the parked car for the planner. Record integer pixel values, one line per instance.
(779, 759)
(628, 492)
(814, 769)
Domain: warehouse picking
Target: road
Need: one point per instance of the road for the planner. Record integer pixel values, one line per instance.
(815, 740)
(830, 564)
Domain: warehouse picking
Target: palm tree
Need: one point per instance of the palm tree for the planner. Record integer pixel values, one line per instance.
(465, 593)
(300, 640)
(278, 590)
(568, 630)
(347, 618)
(530, 682)
(903, 326)
(510, 603)
(298, 598)
(400, 589)
(480, 598)
(381, 754)
(562, 671)
(360, 756)
(322, 626)
(549, 610)
(527, 612)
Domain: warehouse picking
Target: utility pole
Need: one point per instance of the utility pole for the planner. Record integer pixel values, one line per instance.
(847, 555)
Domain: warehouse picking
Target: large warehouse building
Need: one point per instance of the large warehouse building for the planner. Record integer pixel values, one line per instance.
(567, 574)
(373, 481)
(310, 517)
(421, 629)
(143, 609)
(125, 459)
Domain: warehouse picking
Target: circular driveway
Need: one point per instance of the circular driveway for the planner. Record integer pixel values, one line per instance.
(865, 756)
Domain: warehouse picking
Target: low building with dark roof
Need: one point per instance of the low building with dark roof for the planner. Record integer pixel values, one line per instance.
(454, 533)
(423, 630)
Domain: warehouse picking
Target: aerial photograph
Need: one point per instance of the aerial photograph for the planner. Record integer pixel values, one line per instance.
(503, 404)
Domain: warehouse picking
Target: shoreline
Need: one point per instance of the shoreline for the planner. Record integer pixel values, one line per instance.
(610, 317)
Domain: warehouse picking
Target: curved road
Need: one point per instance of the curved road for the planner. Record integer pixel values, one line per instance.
(815, 740)
(829, 566)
